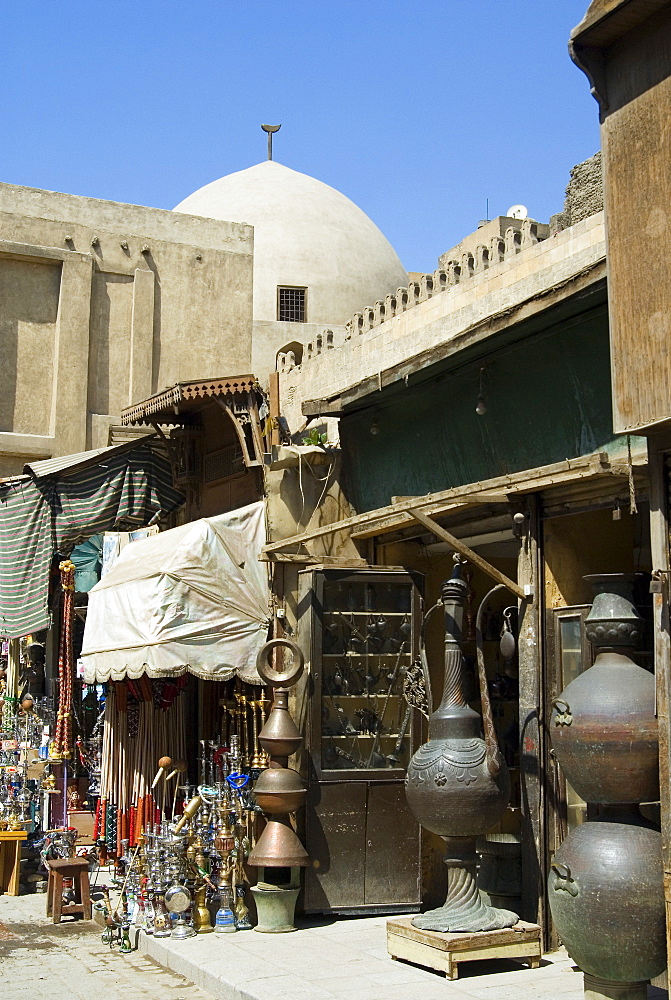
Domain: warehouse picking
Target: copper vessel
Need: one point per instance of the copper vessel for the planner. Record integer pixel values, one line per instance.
(280, 737)
(606, 883)
(457, 784)
(279, 789)
(604, 729)
(607, 898)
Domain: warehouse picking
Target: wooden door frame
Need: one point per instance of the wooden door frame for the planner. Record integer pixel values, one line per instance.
(531, 709)
(659, 450)
(556, 810)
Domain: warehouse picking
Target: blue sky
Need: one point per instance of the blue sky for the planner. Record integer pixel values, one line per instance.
(419, 112)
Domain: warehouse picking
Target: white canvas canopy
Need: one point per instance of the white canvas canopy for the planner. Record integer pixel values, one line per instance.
(194, 599)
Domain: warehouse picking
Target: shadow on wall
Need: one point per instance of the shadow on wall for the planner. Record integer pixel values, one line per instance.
(29, 298)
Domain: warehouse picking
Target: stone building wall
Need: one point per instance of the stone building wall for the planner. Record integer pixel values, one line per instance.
(440, 314)
(584, 194)
(102, 304)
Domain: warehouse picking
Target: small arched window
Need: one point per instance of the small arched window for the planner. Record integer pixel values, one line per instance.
(294, 348)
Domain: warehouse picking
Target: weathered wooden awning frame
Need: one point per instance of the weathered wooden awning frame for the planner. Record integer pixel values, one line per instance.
(237, 396)
(422, 510)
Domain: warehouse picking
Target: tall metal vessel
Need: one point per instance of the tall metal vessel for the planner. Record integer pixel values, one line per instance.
(457, 783)
(605, 886)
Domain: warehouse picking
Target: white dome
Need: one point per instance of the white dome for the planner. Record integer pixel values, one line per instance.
(306, 234)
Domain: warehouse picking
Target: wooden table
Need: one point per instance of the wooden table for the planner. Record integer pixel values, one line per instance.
(11, 842)
(444, 952)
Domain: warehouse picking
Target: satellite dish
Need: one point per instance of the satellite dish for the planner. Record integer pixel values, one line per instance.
(517, 212)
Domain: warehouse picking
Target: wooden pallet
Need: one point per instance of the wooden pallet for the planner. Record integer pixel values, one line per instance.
(445, 952)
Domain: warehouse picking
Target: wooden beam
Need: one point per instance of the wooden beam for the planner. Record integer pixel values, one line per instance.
(303, 559)
(500, 489)
(257, 437)
(398, 521)
(472, 556)
(248, 459)
(659, 540)
(274, 406)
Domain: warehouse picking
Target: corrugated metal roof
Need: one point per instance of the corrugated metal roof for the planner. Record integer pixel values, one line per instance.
(65, 464)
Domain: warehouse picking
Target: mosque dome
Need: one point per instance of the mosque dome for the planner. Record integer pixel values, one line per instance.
(307, 236)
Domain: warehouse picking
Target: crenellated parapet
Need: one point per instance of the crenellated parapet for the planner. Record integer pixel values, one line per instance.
(490, 277)
(498, 250)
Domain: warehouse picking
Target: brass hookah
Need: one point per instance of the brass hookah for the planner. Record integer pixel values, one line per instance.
(241, 727)
(260, 757)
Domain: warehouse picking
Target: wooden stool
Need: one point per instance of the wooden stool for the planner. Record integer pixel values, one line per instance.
(78, 870)
(444, 952)
(11, 842)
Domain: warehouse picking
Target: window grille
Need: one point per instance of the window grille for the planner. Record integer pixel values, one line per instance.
(291, 304)
(224, 462)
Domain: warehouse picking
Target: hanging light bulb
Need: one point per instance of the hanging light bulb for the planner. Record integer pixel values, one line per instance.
(481, 405)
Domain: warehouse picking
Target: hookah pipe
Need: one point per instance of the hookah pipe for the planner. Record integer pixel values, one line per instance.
(180, 767)
(257, 762)
(115, 914)
(190, 811)
(203, 762)
(241, 714)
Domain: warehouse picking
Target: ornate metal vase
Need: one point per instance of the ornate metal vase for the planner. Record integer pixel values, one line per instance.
(605, 886)
(604, 729)
(457, 784)
(607, 899)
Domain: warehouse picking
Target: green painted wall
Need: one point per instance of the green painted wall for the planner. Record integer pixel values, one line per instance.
(548, 399)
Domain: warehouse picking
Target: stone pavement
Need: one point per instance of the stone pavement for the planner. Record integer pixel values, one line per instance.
(344, 959)
(40, 960)
(347, 959)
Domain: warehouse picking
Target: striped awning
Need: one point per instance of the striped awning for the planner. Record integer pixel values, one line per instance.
(45, 512)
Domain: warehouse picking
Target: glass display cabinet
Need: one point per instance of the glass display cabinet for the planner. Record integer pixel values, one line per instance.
(359, 632)
(568, 654)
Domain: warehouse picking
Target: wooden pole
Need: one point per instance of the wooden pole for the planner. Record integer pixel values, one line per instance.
(469, 554)
(532, 763)
(659, 451)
